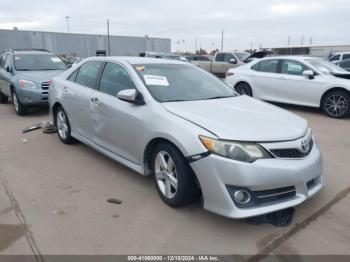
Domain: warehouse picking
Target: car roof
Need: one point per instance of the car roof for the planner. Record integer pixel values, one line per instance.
(300, 58)
(134, 60)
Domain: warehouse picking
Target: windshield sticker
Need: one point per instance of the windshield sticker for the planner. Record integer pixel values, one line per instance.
(17, 57)
(152, 80)
(55, 59)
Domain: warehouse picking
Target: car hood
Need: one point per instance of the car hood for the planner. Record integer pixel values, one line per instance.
(241, 118)
(39, 76)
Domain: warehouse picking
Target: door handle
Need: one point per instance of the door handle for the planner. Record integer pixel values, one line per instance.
(95, 101)
(65, 89)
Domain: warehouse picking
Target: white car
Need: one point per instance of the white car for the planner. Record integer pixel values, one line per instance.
(304, 81)
(338, 57)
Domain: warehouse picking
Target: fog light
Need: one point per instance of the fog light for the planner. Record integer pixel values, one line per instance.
(242, 197)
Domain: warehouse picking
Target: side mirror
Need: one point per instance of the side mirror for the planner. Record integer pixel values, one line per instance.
(233, 61)
(309, 73)
(131, 96)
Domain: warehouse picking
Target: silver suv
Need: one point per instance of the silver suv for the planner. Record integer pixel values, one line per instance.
(25, 76)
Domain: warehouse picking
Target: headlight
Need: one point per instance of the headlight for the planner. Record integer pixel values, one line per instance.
(27, 84)
(240, 151)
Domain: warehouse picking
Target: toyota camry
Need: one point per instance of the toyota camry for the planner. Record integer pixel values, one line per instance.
(189, 130)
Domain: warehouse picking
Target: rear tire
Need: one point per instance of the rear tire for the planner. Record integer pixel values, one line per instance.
(3, 98)
(336, 104)
(63, 126)
(173, 177)
(20, 109)
(244, 88)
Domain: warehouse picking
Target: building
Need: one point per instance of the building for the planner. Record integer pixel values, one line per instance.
(317, 51)
(82, 45)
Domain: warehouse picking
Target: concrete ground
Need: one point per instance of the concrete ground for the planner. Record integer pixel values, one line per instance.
(53, 201)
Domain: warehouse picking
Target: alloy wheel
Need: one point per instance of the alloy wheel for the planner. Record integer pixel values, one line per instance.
(15, 101)
(62, 126)
(336, 105)
(165, 172)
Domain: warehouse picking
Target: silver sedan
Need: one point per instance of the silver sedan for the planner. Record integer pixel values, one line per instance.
(191, 131)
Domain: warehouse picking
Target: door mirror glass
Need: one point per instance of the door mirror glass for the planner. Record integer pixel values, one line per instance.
(130, 96)
(309, 73)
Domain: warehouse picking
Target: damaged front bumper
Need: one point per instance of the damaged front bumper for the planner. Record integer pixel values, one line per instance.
(273, 184)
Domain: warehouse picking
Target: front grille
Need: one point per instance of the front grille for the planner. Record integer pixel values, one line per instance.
(292, 152)
(265, 197)
(45, 85)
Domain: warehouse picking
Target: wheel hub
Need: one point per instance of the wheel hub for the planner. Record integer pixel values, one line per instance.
(165, 172)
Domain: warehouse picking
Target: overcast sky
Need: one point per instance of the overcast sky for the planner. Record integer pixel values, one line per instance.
(265, 22)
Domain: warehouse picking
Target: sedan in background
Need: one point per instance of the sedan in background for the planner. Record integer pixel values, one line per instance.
(304, 81)
(191, 131)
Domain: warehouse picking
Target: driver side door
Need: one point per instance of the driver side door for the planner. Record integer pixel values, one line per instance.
(118, 125)
(294, 88)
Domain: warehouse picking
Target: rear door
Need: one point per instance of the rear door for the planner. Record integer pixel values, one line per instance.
(295, 88)
(263, 77)
(117, 124)
(78, 92)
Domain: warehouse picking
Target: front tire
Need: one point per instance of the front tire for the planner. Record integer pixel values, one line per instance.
(63, 126)
(3, 98)
(173, 177)
(20, 109)
(243, 88)
(336, 104)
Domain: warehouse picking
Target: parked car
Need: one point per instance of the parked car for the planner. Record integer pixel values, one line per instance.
(338, 57)
(25, 76)
(199, 58)
(295, 80)
(223, 61)
(191, 131)
(345, 64)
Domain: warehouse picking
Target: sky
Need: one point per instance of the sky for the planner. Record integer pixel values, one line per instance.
(246, 24)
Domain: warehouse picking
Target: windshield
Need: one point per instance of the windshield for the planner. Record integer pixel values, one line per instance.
(38, 62)
(171, 82)
(243, 55)
(325, 67)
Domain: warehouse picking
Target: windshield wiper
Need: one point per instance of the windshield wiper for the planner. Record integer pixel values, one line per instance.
(174, 100)
(219, 97)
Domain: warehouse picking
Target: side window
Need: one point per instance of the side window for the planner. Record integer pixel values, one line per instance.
(220, 57)
(334, 58)
(345, 64)
(114, 79)
(87, 74)
(268, 66)
(346, 56)
(255, 67)
(8, 61)
(292, 68)
(73, 76)
(228, 57)
(3, 59)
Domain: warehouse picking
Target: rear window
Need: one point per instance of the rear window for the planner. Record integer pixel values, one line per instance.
(38, 62)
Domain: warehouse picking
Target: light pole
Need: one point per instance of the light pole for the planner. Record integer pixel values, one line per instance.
(108, 39)
(67, 19)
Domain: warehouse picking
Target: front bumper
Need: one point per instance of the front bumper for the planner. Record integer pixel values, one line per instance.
(216, 173)
(33, 96)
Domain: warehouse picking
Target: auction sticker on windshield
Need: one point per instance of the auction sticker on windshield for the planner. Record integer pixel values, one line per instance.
(55, 59)
(152, 80)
